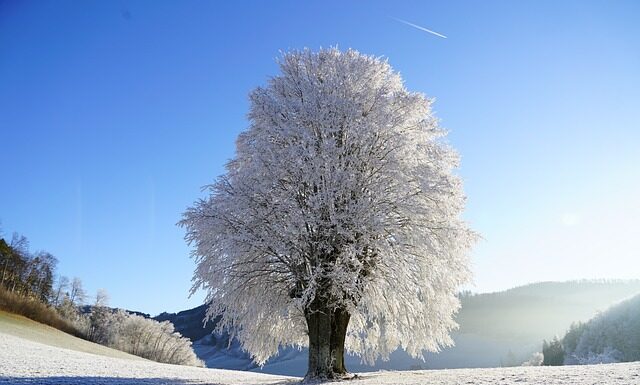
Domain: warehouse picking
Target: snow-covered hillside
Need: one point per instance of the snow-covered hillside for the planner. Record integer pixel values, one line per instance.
(25, 362)
(19, 326)
(611, 336)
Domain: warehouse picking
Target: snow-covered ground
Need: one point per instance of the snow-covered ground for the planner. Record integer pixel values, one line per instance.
(22, 327)
(27, 362)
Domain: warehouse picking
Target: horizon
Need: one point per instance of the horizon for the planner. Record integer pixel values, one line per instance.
(114, 115)
(603, 281)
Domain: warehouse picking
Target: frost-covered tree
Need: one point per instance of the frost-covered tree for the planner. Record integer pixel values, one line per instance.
(70, 312)
(131, 333)
(100, 319)
(151, 339)
(338, 223)
(536, 359)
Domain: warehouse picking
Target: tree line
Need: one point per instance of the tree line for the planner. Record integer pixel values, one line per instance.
(30, 286)
(610, 336)
(24, 273)
(33, 275)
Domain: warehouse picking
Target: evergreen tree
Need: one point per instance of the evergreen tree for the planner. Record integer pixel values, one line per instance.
(553, 352)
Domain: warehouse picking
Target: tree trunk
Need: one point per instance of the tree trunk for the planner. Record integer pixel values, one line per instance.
(327, 331)
(339, 323)
(4, 270)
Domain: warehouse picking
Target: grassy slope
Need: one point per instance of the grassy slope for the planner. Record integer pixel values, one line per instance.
(22, 327)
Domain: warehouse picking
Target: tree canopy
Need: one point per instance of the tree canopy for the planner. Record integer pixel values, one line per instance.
(342, 197)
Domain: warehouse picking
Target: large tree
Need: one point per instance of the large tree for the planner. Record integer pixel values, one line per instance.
(338, 223)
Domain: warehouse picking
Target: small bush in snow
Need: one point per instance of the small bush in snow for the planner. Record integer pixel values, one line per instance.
(536, 359)
(608, 356)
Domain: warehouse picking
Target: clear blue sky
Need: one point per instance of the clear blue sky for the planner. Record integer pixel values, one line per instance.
(114, 114)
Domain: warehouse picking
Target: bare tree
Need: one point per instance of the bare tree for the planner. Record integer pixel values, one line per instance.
(102, 298)
(61, 287)
(39, 282)
(338, 224)
(15, 258)
(77, 295)
(20, 243)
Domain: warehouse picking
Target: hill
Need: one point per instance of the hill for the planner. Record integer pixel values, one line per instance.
(611, 336)
(190, 323)
(496, 329)
(26, 329)
(23, 361)
(540, 309)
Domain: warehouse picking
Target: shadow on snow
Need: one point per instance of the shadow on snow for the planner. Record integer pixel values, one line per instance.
(86, 380)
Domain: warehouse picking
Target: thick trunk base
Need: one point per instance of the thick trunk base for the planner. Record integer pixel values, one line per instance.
(327, 332)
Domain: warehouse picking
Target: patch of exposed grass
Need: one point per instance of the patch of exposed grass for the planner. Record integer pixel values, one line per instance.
(23, 327)
(36, 310)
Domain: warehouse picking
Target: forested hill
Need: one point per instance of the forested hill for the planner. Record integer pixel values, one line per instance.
(541, 309)
(538, 309)
(611, 336)
(501, 328)
(189, 323)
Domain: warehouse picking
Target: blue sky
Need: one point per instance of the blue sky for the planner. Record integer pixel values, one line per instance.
(114, 114)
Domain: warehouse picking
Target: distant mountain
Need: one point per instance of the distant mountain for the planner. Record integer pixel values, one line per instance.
(496, 329)
(504, 328)
(190, 323)
(86, 309)
(540, 309)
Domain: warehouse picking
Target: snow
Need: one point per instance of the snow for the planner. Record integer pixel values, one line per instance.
(610, 374)
(27, 362)
(22, 327)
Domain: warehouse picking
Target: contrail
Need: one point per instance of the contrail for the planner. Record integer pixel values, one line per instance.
(420, 28)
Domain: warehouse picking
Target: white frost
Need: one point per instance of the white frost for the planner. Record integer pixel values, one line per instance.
(342, 189)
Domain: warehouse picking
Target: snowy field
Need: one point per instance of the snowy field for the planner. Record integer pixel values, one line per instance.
(22, 327)
(28, 362)
(24, 362)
